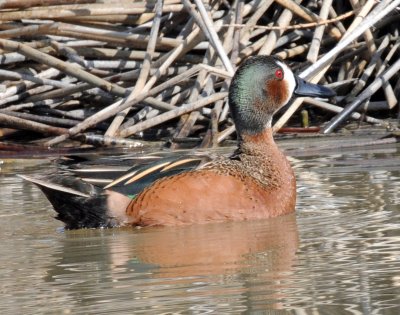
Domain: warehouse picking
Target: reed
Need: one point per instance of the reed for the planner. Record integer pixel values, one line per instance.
(160, 69)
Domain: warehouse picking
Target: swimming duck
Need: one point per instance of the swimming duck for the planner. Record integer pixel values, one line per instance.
(255, 182)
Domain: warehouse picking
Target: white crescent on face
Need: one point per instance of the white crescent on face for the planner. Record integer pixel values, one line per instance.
(289, 78)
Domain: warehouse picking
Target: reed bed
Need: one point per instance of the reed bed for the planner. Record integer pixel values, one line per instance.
(114, 71)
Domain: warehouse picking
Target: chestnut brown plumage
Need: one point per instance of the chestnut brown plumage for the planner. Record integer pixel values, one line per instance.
(256, 182)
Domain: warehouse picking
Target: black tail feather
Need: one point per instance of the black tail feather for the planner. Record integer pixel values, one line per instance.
(87, 208)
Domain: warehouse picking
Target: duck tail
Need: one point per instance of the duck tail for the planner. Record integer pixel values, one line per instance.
(78, 204)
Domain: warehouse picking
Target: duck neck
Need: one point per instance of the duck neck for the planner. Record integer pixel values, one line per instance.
(261, 158)
(258, 144)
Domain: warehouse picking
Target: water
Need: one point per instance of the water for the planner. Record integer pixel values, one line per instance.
(340, 253)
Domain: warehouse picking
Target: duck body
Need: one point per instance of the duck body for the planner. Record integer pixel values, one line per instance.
(256, 182)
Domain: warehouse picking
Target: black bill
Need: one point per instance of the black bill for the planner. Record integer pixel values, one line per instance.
(305, 88)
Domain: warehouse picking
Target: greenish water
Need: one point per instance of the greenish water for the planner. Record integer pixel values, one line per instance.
(340, 253)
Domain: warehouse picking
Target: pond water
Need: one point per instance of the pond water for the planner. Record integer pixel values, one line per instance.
(340, 253)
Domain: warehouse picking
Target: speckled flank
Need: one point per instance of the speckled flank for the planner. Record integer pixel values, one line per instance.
(257, 183)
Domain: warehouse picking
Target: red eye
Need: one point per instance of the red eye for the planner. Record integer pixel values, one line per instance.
(279, 74)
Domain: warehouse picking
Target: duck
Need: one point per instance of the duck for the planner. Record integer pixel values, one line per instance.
(255, 182)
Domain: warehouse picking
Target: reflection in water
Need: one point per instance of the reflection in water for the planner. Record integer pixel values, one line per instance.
(196, 264)
(340, 254)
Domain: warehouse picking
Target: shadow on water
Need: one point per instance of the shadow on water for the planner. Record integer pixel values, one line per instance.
(338, 255)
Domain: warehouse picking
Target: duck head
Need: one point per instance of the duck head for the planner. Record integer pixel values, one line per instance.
(261, 86)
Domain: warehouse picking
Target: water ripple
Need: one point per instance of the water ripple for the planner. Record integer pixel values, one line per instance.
(340, 254)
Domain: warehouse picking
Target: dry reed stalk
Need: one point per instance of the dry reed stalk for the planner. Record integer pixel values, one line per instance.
(17, 97)
(86, 56)
(61, 65)
(245, 32)
(238, 18)
(64, 11)
(144, 72)
(21, 4)
(283, 21)
(98, 52)
(166, 61)
(338, 109)
(313, 53)
(20, 76)
(172, 114)
(368, 71)
(369, 38)
(318, 69)
(23, 124)
(187, 122)
(306, 15)
(366, 94)
(119, 106)
(52, 121)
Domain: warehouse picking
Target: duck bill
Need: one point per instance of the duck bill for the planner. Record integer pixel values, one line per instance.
(305, 88)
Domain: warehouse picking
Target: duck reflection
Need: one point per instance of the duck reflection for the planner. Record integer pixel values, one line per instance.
(217, 249)
(232, 256)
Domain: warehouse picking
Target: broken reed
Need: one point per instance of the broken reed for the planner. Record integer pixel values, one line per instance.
(88, 70)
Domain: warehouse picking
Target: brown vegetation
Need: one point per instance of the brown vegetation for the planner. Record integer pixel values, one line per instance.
(108, 72)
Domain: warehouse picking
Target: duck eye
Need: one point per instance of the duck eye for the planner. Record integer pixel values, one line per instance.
(279, 74)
